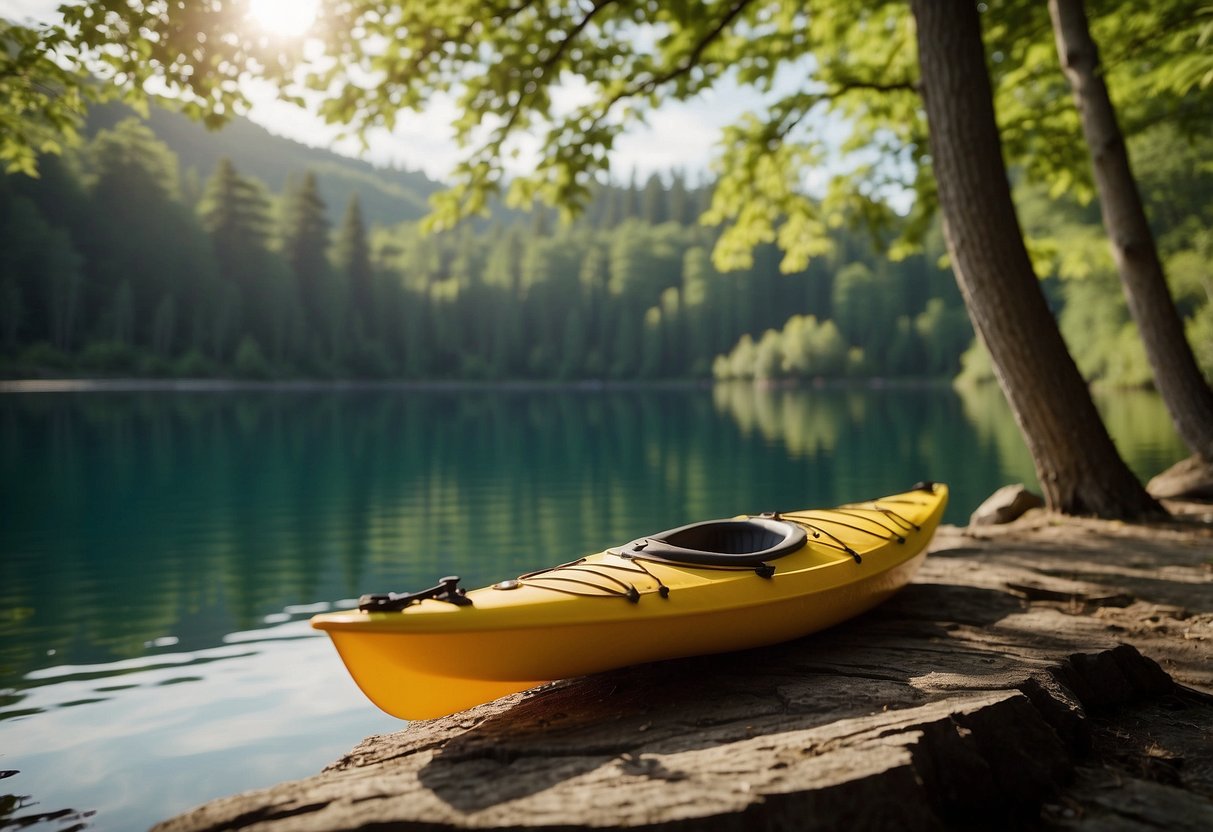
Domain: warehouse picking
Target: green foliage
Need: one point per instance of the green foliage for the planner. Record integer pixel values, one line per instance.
(1068, 243)
(102, 248)
(11, 312)
(383, 58)
(387, 195)
(943, 332)
(976, 367)
(591, 300)
(1101, 337)
(140, 241)
(812, 349)
(41, 99)
(1200, 336)
(63, 282)
(108, 357)
(807, 348)
(155, 366)
(304, 243)
(255, 291)
(250, 362)
(1152, 55)
(352, 259)
(194, 365)
(234, 210)
(43, 358)
(122, 315)
(40, 270)
(164, 326)
(850, 119)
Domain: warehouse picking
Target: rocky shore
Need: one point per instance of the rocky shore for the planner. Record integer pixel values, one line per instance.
(1048, 673)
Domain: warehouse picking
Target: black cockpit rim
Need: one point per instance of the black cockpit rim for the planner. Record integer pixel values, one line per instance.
(749, 542)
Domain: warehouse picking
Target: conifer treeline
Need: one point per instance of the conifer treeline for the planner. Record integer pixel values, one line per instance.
(108, 264)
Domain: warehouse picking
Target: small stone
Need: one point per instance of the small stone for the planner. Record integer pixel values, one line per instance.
(1190, 479)
(1005, 505)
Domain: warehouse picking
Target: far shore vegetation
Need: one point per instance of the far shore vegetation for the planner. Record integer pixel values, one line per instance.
(120, 262)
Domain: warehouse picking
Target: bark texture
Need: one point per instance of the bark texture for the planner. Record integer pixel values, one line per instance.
(991, 693)
(1176, 373)
(1078, 467)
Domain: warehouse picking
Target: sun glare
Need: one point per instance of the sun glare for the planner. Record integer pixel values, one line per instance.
(288, 18)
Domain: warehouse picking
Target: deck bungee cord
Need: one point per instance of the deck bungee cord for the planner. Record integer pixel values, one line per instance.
(623, 589)
(627, 590)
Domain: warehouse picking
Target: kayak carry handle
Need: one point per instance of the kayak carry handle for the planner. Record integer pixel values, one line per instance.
(447, 590)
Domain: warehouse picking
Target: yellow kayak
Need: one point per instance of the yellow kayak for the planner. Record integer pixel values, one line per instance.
(708, 587)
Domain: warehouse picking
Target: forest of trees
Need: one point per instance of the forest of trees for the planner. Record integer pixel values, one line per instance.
(117, 262)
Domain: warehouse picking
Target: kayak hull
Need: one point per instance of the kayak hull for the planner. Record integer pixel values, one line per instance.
(435, 658)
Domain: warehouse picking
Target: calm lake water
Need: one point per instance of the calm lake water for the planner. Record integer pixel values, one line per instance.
(160, 553)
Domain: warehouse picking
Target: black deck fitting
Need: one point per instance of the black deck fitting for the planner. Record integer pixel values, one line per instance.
(447, 590)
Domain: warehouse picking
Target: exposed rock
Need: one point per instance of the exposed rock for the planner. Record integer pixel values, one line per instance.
(1153, 770)
(1005, 505)
(1008, 687)
(1188, 479)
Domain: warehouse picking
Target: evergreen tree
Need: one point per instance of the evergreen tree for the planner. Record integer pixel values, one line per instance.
(235, 212)
(63, 281)
(164, 326)
(141, 237)
(678, 200)
(503, 274)
(122, 315)
(541, 220)
(594, 277)
(631, 200)
(58, 193)
(353, 261)
(12, 310)
(24, 238)
(654, 209)
(612, 207)
(304, 246)
(705, 331)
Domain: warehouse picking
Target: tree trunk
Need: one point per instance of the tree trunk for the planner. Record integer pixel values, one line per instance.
(1176, 374)
(1079, 468)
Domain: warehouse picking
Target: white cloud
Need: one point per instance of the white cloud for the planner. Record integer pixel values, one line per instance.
(21, 11)
(675, 136)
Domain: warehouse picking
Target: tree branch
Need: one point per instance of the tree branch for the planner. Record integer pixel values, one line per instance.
(839, 89)
(691, 61)
(546, 66)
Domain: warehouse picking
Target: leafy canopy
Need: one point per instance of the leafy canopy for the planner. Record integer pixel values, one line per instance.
(575, 74)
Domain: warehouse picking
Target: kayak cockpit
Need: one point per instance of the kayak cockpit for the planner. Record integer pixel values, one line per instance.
(749, 542)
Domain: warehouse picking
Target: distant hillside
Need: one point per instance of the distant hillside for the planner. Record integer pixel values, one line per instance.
(388, 196)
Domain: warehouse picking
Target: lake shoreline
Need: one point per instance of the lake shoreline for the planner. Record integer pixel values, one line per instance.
(227, 385)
